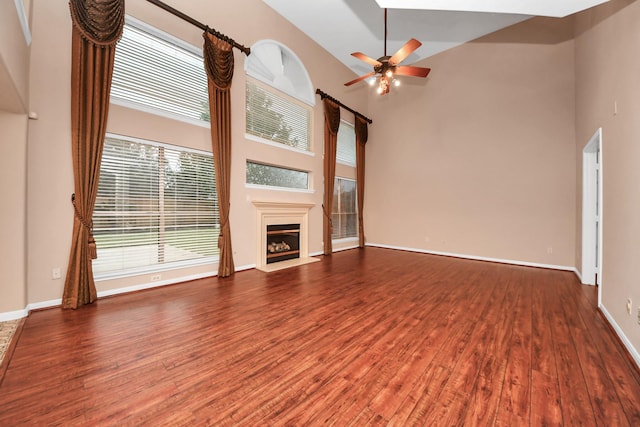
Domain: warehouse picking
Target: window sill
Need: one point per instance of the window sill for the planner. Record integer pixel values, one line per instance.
(254, 138)
(287, 189)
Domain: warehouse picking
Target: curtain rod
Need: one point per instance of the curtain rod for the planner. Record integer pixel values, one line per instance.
(324, 95)
(200, 25)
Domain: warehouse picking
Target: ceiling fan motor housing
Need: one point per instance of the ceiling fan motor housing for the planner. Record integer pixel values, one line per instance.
(384, 66)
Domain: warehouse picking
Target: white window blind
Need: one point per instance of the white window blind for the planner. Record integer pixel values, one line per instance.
(158, 73)
(345, 213)
(274, 117)
(346, 150)
(156, 208)
(274, 176)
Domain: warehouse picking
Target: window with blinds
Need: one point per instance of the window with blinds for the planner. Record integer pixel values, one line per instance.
(346, 150)
(277, 118)
(158, 73)
(274, 176)
(345, 213)
(156, 208)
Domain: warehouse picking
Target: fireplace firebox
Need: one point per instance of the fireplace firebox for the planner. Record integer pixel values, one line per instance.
(283, 242)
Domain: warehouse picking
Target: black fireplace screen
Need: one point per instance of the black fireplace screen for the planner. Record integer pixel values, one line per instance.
(283, 242)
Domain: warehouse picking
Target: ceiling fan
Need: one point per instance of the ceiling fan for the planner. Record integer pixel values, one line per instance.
(386, 68)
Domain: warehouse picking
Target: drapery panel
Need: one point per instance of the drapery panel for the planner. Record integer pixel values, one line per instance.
(219, 63)
(97, 27)
(331, 124)
(362, 134)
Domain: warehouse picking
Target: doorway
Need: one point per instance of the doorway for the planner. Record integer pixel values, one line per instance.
(592, 212)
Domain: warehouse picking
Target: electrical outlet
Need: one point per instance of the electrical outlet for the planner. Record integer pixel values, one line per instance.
(638, 315)
(56, 273)
(156, 277)
(549, 250)
(629, 305)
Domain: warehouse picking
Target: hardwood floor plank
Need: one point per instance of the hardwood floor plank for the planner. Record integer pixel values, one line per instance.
(364, 337)
(515, 398)
(546, 406)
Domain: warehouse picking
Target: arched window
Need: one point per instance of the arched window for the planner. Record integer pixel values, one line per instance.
(276, 65)
(279, 97)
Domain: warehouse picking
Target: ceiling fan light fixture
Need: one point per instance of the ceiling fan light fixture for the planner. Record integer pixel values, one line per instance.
(386, 68)
(383, 86)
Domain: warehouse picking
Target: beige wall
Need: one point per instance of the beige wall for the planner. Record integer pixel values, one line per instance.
(479, 158)
(607, 70)
(13, 193)
(50, 176)
(14, 90)
(14, 60)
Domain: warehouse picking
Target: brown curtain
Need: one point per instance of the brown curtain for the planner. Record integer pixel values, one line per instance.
(331, 124)
(97, 27)
(218, 61)
(362, 133)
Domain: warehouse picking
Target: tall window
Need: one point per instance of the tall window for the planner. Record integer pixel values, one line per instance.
(156, 208)
(346, 150)
(345, 214)
(276, 118)
(158, 73)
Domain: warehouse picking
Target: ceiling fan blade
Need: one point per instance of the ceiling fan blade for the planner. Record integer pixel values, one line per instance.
(404, 51)
(410, 70)
(365, 58)
(359, 79)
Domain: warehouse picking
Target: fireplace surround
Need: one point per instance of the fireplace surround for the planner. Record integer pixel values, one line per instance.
(280, 216)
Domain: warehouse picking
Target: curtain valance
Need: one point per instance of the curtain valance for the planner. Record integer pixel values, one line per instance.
(100, 22)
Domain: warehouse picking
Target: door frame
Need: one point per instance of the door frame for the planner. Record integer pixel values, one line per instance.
(592, 209)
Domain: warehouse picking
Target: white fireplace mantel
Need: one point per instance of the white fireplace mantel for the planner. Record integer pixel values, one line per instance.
(278, 213)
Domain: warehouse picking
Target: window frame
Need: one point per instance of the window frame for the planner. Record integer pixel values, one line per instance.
(308, 190)
(357, 231)
(166, 266)
(279, 93)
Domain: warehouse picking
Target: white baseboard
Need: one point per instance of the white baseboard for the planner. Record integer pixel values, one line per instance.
(13, 315)
(477, 258)
(346, 248)
(44, 304)
(630, 348)
(575, 270)
(245, 267)
(18, 314)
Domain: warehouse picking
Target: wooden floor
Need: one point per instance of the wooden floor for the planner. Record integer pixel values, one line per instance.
(365, 337)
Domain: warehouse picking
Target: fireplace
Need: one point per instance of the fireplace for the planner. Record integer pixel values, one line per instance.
(282, 235)
(283, 242)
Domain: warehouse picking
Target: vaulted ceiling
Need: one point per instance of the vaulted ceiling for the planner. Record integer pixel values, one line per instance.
(345, 26)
